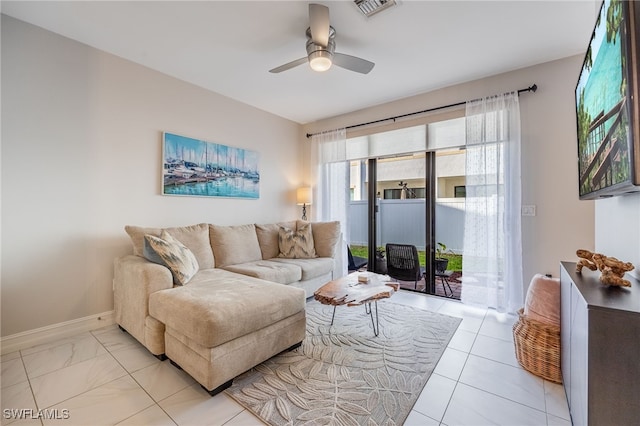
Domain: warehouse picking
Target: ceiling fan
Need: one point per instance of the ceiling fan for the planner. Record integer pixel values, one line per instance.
(321, 45)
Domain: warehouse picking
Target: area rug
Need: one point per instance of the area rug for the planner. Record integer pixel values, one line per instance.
(343, 374)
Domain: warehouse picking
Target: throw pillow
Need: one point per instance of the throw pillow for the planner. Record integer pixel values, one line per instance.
(268, 238)
(174, 255)
(325, 237)
(543, 300)
(149, 253)
(296, 244)
(194, 237)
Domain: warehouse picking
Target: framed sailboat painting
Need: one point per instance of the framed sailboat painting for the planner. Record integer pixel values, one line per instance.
(194, 167)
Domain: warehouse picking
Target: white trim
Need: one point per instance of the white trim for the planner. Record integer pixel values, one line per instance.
(53, 332)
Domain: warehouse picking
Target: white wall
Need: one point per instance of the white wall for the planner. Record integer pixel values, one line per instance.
(549, 167)
(618, 229)
(81, 158)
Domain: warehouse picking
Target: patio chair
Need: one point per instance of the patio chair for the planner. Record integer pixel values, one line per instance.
(403, 263)
(355, 262)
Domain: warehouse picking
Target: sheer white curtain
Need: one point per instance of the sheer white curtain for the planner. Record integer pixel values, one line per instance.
(492, 267)
(330, 176)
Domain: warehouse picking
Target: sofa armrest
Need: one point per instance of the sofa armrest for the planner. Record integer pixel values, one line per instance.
(135, 278)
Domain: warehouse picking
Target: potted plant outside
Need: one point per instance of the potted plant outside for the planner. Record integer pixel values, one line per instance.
(441, 262)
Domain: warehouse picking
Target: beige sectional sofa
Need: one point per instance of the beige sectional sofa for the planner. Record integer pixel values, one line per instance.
(242, 304)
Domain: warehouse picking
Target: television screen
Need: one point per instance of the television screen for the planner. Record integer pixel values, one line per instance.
(606, 105)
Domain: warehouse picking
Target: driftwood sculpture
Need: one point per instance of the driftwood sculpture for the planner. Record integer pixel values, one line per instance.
(611, 269)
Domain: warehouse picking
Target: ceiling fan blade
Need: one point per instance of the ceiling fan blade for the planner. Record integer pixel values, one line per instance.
(319, 24)
(352, 63)
(289, 65)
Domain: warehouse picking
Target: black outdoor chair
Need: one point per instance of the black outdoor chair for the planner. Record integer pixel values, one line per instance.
(356, 262)
(403, 263)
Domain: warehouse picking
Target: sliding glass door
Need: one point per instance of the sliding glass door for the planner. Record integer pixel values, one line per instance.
(407, 201)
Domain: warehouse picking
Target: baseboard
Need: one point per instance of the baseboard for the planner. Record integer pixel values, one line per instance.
(49, 333)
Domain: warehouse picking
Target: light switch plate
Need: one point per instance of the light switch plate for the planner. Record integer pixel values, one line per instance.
(529, 210)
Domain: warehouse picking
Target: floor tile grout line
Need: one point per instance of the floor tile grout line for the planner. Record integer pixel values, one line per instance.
(144, 409)
(56, 345)
(460, 374)
(243, 410)
(88, 390)
(135, 343)
(469, 355)
(444, 413)
(509, 365)
(544, 391)
(482, 390)
(134, 379)
(30, 386)
(63, 367)
(150, 397)
(505, 398)
(130, 373)
(545, 382)
(494, 337)
(519, 367)
(163, 399)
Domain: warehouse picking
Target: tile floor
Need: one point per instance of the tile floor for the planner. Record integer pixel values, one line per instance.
(107, 377)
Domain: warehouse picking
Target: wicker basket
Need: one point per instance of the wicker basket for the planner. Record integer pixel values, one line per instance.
(538, 347)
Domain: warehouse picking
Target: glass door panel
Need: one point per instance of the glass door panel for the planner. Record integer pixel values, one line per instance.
(449, 222)
(401, 215)
(357, 236)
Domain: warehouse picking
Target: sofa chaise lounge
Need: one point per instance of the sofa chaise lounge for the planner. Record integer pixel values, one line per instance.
(241, 301)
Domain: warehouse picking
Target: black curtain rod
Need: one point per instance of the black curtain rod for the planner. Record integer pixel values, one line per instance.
(531, 88)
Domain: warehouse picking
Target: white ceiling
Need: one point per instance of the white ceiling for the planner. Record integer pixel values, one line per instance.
(229, 46)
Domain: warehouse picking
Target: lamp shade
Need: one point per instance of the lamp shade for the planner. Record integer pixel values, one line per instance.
(303, 195)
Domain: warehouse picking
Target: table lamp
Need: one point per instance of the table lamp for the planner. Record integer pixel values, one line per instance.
(304, 197)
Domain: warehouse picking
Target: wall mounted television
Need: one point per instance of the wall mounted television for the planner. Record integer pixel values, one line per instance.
(607, 105)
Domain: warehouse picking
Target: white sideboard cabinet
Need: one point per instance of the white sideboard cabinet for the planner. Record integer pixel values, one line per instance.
(600, 348)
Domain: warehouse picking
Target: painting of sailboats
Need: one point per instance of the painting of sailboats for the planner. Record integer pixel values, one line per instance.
(195, 167)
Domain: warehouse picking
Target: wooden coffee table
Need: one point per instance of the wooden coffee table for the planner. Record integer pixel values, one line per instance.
(349, 291)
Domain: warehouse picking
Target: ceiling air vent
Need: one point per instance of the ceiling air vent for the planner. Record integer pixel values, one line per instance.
(370, 7)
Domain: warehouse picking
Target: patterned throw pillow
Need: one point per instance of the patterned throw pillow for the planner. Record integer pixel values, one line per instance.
(296, 244)
(174, 255)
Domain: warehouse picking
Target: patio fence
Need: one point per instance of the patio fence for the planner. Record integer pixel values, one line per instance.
(403, 221)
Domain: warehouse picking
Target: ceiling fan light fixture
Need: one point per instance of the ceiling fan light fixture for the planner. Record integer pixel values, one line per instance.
(371, 7)
(320, 60)
(321, 47)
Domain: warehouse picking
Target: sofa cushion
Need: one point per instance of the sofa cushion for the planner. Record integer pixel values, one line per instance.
(269, 270)
(268, 238)
(194, 237)
(325, 237)
(221, 309)
(234, 244)
(296, 244)
(311, 268)
(174, 255)
(204, 276)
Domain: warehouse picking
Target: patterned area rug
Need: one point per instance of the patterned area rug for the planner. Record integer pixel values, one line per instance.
(343, 374)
